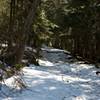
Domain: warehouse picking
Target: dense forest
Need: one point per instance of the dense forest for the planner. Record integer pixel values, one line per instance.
(73, 25)
(31, 30)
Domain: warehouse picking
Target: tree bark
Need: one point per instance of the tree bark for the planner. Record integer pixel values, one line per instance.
(25, 31)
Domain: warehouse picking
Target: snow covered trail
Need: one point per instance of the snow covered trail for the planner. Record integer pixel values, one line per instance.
(57, 79)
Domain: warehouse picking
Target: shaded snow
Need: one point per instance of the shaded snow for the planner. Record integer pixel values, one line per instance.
(57, 79)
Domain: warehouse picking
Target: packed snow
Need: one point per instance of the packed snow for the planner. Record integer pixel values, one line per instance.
(59, 77)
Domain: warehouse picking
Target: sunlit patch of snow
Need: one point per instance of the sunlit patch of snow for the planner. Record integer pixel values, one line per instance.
(7, 98)
(24, 61)
(10, 81)
(75, 79)
(80, 98)
(45, 63)
(52, 88)
(28, 48)
(52, 50)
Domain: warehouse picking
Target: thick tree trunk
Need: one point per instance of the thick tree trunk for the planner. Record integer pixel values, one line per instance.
(28, 22)
(19, 52)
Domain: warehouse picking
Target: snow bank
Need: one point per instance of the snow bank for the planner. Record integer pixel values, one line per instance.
(57, 80)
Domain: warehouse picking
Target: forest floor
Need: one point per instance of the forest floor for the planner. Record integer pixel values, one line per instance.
(59, 77)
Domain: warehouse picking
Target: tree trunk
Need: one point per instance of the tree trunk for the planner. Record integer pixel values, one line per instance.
(25, 31)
